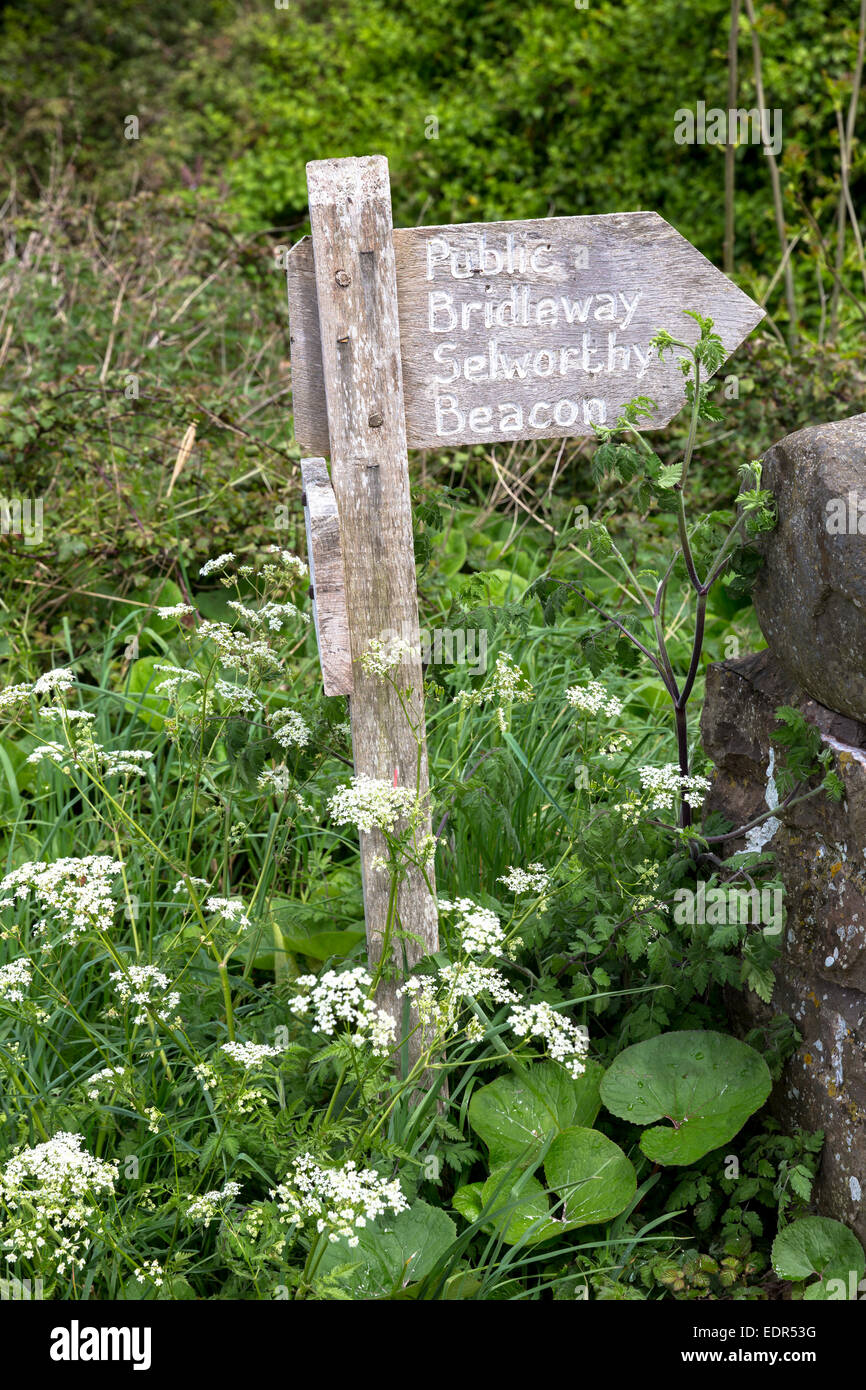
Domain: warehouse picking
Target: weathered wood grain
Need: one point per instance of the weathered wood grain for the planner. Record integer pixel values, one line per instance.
(350, 214)
(530, 330)
(327, 577)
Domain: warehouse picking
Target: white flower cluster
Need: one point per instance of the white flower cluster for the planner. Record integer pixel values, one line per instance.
(593, 699)
(148, 989)
(480, 930)
(380, 659)
(286, 568)
(15, 980)
(250, 1054)
(272, 616)
(665, 783)
(205, 1208)
(439, 999)
(238, 650)
(57, 681)
(341, 1201)
(49, 1193)
(343, 998)
(151, 1272)
(230, 909)
(506, 686)
(275, 779)
(219, 562)
(290, 729)
(241, 699)
(100, 1079)
(371, 803)
(176, 610)
(87, 755)
(75, 894)
(177, 678)
(567, 1042)
(534, 879)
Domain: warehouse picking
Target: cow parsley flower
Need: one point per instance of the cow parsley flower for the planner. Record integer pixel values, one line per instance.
(480, 930)
(371, 803)
(342, 998)
(439, 999)
(290, 729)
(147, 988)
(567, 1042)
(275, 779)
(86, 755)
(101, 1079)
(594, 699)
(506, 686)
(231, 909)
(218, 563)
(380, 659)
(49, 1193)
(176, 610)
(286, 568)
(15, 980)
(60, 679)
(340, 1201)
(74, 894)
(151, 1272)
(272, 616)
(534, 879)
(206, 1207)
(663, 784)
(250, 1054)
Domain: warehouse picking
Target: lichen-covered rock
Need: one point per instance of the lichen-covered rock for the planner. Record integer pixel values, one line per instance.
(811, 595)
(821, 856)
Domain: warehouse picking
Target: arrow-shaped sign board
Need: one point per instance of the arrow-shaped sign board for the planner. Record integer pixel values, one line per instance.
(528, 330)
(453, 335)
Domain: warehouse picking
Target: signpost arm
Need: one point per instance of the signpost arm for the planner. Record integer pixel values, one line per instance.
(356, 289)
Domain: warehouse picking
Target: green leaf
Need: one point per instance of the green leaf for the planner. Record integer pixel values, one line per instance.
(141, 702)
(815, 1245)
(706, 1084)
(312, 933)
(391, 1254)
(468, 1200)
(669, 475)
(591, 1174)
(514, 1115)
(515, 1204)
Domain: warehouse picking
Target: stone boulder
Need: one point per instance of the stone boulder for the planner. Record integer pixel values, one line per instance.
(821, 857)
(811, 595)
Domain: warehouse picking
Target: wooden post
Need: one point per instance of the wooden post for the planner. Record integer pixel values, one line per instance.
(327, 577)
(356, 290)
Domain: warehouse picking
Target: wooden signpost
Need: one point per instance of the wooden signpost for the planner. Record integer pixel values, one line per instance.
(436, 336)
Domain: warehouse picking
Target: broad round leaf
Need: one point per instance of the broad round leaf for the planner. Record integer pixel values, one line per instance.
(817, 1245)
(514, 1115)
(391, 1254)
(591, 1174)
(706, 1084)
(516, 1203)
